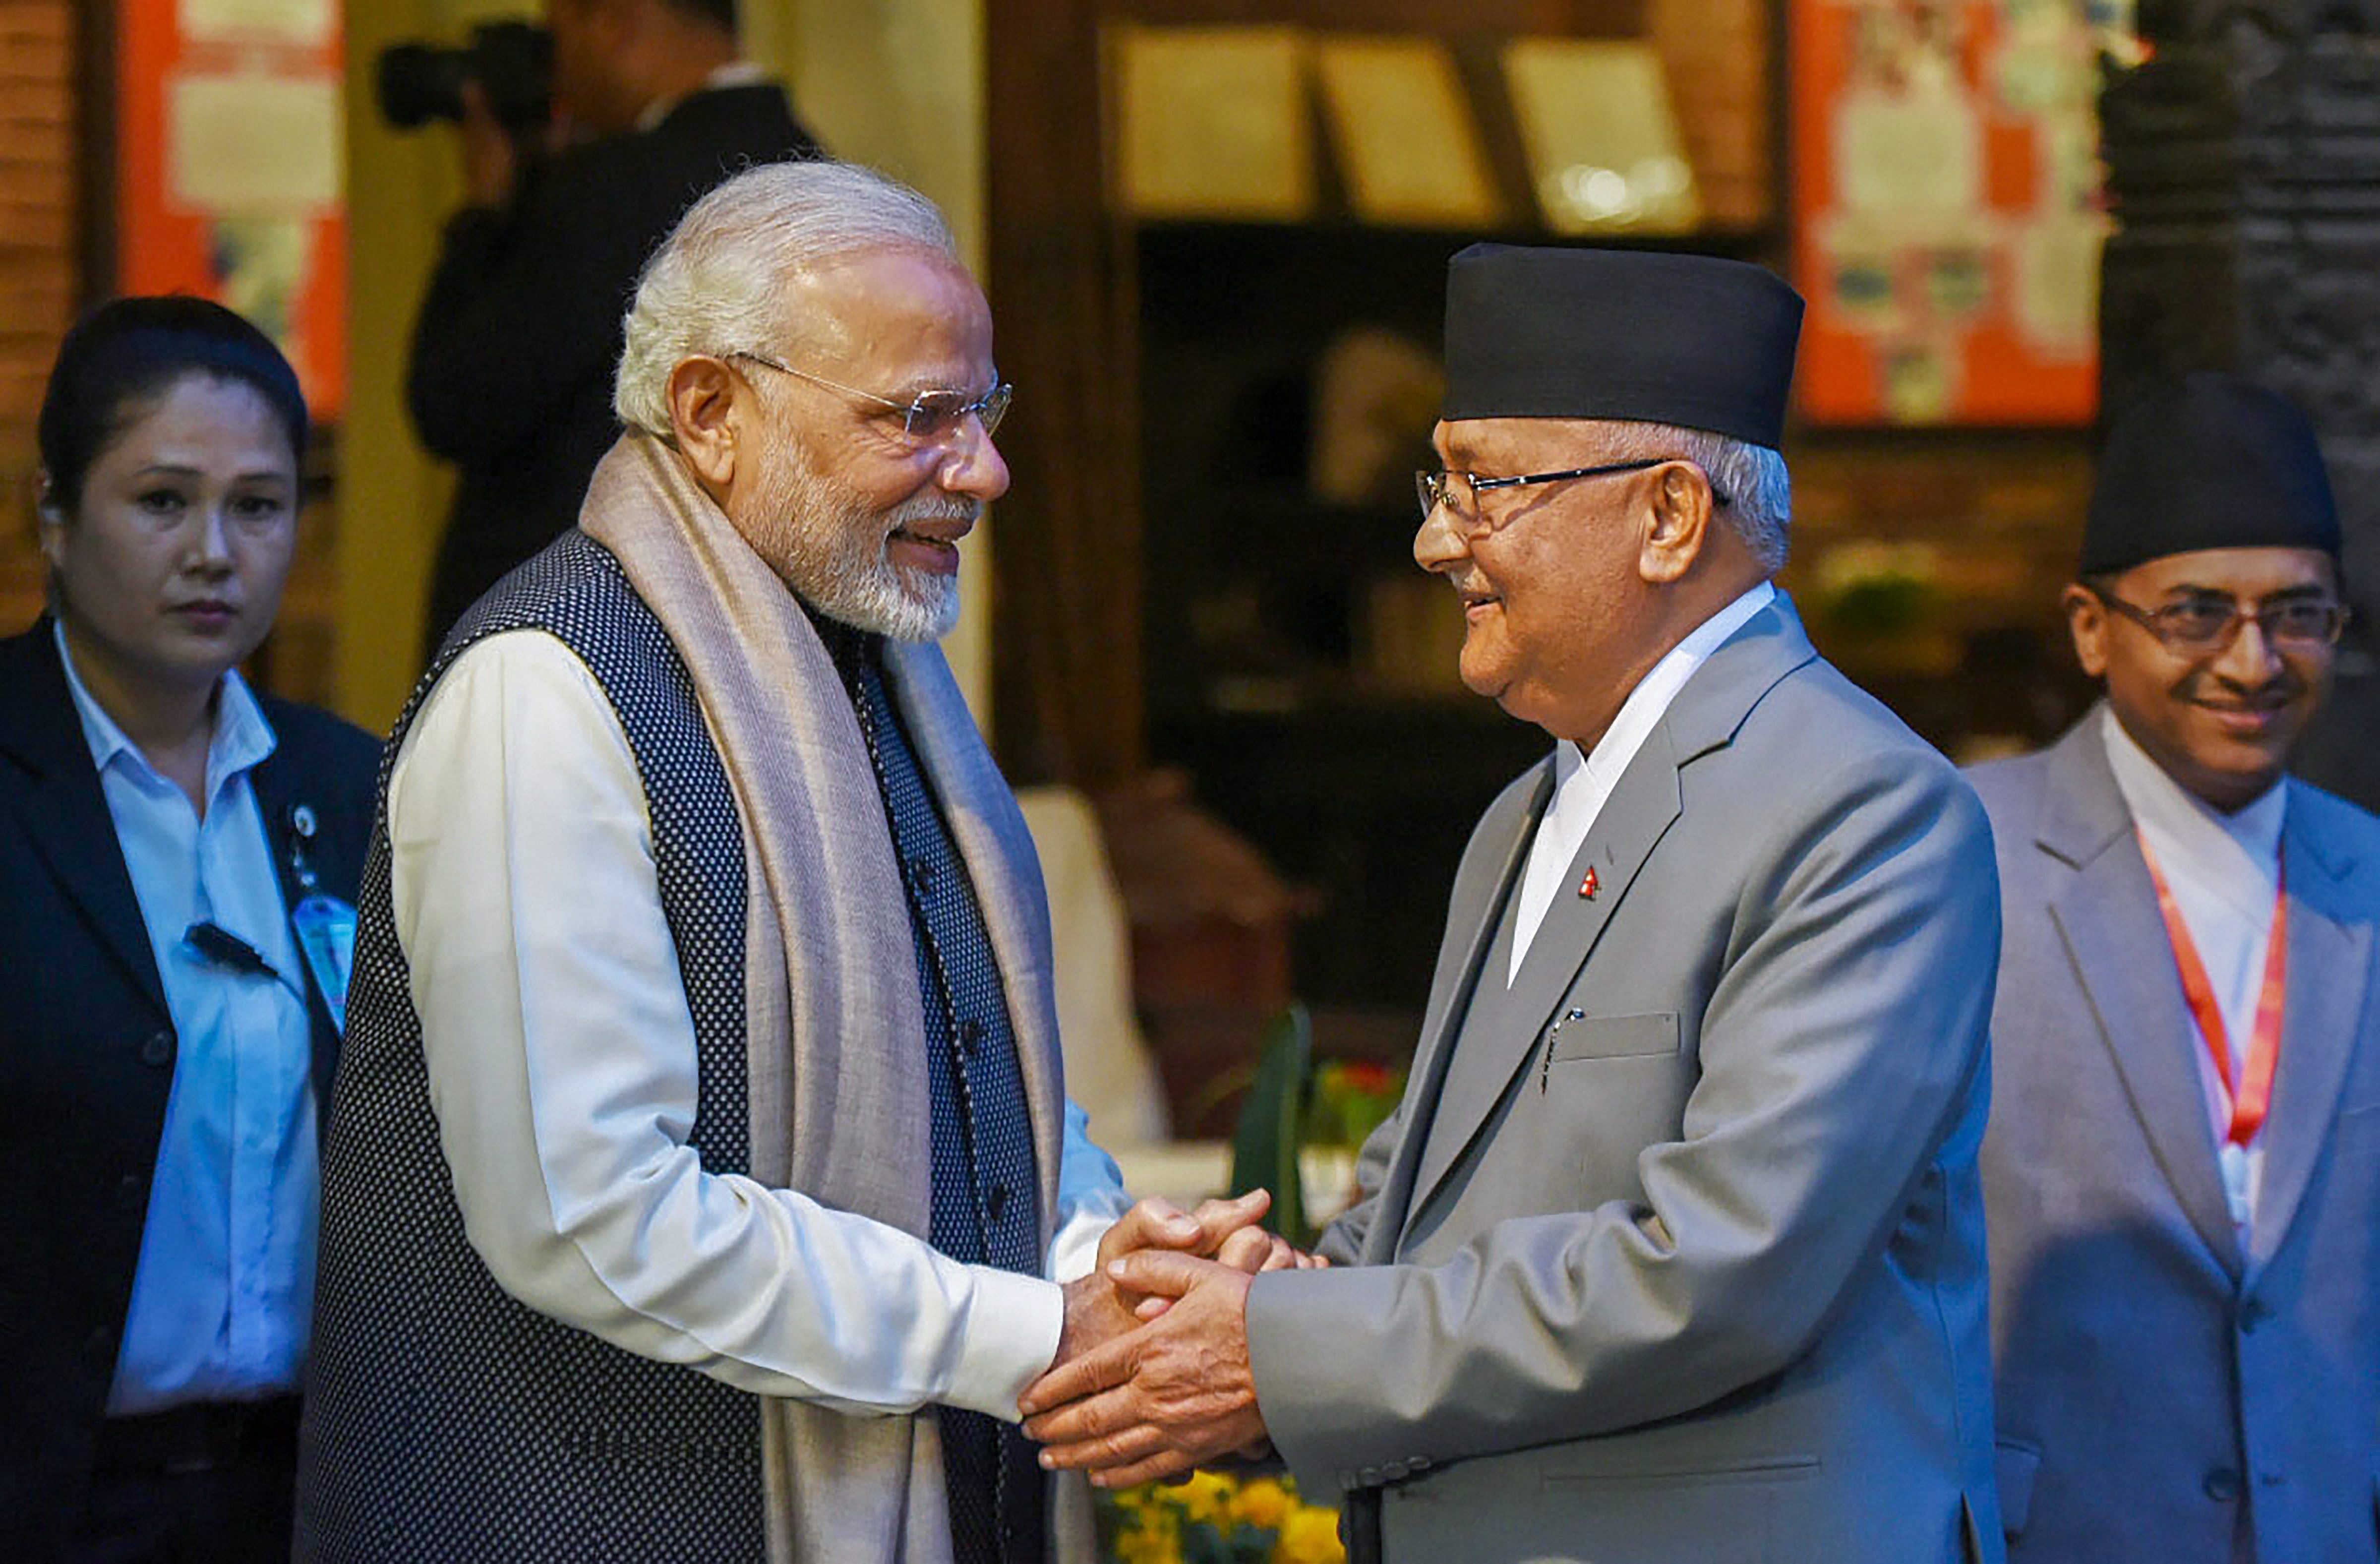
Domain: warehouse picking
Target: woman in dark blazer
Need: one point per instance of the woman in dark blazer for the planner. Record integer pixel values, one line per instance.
(177, 859)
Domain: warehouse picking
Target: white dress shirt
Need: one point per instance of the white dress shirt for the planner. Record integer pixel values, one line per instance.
(2224, 871)
(222, 1293)
(562, 1061)
(1583, 784)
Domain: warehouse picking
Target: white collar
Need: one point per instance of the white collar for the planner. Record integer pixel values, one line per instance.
(1583, 784)
(241, 738)
(2236, 856)
(1649, 701)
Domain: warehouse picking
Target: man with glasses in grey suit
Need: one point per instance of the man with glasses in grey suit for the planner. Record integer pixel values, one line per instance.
(1674, 1249)
(2183, 1169)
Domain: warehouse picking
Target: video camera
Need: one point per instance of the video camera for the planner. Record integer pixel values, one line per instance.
(512, 61)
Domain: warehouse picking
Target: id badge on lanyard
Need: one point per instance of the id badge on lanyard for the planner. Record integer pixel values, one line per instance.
(326, 935)
(325, 926)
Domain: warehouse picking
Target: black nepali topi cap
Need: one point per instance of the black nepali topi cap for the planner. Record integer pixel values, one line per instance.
(1642, 335)
(2210, 461)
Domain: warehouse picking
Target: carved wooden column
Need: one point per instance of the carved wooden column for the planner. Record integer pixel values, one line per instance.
(2244, 169)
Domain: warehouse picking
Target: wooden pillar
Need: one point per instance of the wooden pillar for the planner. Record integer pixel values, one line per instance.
(2244, 170)
(53, 95)
(1066, 593)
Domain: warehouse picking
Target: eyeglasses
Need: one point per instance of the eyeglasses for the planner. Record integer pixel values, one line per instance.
(1460, 491)
(2201, 627)
(929, 417)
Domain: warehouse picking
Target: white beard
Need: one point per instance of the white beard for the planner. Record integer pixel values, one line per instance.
(833, 550)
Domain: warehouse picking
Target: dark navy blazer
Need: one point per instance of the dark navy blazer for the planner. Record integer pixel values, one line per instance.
(87, 1051)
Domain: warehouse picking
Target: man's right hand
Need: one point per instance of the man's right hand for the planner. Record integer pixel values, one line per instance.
(1158, 1223)
(1223, 1230)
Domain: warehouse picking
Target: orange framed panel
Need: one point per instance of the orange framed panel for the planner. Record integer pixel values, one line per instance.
(227, 176)
(1948, 209)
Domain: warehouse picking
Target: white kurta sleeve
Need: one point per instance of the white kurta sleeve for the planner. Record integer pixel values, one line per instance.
(561, 1062)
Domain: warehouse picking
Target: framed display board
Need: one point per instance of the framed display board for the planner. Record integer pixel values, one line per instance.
(1948, 216)
(228, 124)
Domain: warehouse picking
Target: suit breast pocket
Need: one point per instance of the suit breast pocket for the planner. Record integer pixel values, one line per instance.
(1608, 1087)
(1578, 1036)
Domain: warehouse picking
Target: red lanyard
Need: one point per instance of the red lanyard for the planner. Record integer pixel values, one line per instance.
(2252, 1097)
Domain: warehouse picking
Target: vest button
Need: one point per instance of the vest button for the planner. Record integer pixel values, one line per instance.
(132, 1190)
(970, 1034)
(2253, 1312)
(995, 1200)
(2222, 1485)
(99, 1350)
(921, 875)
(158, 1049)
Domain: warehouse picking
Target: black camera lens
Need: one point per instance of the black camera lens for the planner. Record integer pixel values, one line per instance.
(512, 63)
(420, 82)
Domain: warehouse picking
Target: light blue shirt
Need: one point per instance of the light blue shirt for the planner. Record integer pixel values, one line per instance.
(223, 1295)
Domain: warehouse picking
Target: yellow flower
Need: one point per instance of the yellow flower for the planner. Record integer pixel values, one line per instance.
(1262, 1502)
(1151, 1504)
(1309, 1535)
(1206, 1496)
(1149, 1544)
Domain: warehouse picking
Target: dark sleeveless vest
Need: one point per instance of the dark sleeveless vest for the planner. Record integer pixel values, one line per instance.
(443, 1420)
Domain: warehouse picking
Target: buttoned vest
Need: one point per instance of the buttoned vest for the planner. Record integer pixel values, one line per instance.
(445, 1420)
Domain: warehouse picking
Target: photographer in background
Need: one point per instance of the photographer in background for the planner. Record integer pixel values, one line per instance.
(511, 371)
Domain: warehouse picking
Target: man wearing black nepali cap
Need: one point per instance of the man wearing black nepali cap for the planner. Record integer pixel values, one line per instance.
(1674, 1249)
(2183, 1168)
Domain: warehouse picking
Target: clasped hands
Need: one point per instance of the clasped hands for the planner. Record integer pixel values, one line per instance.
(1152, 1376)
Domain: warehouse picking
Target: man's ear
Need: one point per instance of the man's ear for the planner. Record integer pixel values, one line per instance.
(704, 394)
(1678, 524)
(2086, 621)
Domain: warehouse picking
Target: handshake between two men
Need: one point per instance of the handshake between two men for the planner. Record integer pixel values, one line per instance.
(1151, 1376)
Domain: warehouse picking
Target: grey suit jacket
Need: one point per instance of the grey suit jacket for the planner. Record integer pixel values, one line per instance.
(1674, 1249)
(2153, 1380)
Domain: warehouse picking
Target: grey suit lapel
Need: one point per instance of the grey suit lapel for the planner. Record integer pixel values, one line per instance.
(1632, 821)
(1478, 905)
(1647, 801)
(2109, 919)
(2329, 958)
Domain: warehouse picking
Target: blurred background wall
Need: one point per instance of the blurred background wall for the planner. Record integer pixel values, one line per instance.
(1215, 232)
(895, 84)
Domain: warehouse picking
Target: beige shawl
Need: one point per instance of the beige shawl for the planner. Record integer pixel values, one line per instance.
(839, 1095)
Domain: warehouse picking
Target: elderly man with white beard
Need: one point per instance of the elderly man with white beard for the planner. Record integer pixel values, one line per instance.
(699, 1183)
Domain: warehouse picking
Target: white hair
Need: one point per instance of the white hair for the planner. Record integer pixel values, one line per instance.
(717, 284)
(1759, 492)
